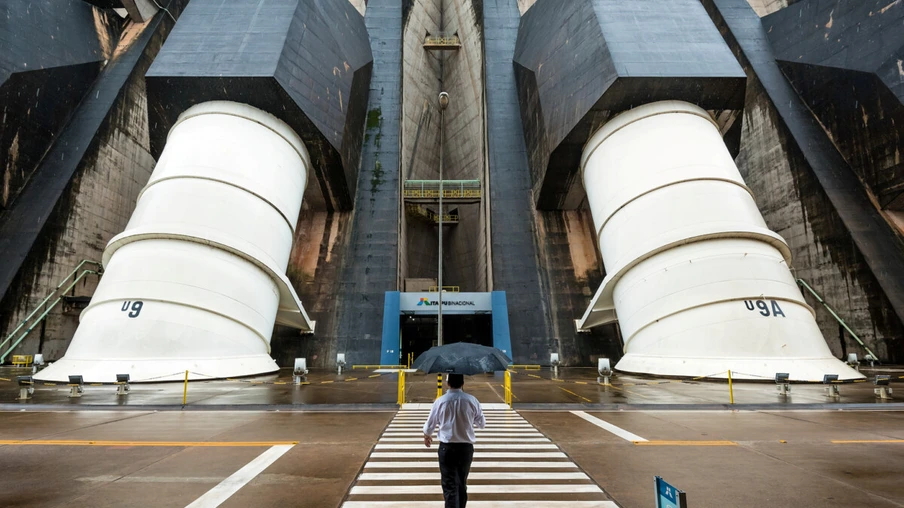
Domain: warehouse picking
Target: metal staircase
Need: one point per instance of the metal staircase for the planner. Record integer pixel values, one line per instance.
(42, 310)
(813, 292)
(415, 210)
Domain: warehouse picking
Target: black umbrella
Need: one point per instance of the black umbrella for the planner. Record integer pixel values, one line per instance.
(462, 358)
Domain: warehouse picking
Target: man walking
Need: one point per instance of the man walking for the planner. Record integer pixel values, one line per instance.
(456, 413)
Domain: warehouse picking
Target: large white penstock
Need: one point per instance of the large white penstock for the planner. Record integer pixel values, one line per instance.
(695, 278)
(197, 280)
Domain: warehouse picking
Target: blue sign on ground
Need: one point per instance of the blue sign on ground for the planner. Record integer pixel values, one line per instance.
(668, 496)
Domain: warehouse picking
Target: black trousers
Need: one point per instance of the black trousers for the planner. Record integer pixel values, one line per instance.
(454, 466)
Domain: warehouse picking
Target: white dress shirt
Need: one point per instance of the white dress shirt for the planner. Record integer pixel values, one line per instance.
(456, 413)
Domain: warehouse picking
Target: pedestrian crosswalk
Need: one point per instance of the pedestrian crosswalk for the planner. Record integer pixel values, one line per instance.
(514, 466)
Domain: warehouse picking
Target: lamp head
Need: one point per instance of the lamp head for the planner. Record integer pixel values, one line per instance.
(443, 100)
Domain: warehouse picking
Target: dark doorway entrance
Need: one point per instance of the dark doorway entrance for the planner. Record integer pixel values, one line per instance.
(418, 333)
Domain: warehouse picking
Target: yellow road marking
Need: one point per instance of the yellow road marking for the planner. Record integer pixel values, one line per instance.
(585, 399)
(326, 382)
(57, 442)
(580, 382)
(685, 443)
(351, 379)
(4, 379)
(375, 375)
(867, 441)
(513, 393)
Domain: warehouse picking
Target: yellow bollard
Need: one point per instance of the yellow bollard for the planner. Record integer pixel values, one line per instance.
(185, 390)
(401, 398)
(730, 389)
(439, 385)
(508, 388)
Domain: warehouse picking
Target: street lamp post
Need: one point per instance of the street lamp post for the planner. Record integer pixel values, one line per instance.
(443, 103)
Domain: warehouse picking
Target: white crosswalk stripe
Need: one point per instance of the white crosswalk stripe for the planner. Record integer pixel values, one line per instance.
(514, 466)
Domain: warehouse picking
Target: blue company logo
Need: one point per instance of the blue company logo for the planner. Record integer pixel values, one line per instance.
(452, 303)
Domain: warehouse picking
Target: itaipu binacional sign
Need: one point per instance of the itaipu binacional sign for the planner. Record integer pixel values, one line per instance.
(453, 303)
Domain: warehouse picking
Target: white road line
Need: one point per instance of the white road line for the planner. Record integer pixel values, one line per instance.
(519, 434)
(477, 464)
(225, 489)
(486, 415)
(618, 431)
(582, 488)
(512, 458)
(479, 446)
(425, 406)
(419, 438)
(481, 504)
(495, 475)
(488, 455)
(405, 425)
(489, 422)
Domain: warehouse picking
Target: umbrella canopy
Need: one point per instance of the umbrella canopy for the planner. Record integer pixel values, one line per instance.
(462, 358)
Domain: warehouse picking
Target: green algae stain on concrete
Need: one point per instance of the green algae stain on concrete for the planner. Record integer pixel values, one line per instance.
(374, 122)
(374, 126)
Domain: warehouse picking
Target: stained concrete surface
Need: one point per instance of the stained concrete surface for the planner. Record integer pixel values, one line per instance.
(314, 473)
(757, 470)
(777, 458)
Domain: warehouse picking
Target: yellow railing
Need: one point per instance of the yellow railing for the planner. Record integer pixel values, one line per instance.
(22, 360)
(447, 193)
(508, 388)
(452, 189)
(442, 40)
(446, 289)
(525, 367)
(401, 389)
(422, 212)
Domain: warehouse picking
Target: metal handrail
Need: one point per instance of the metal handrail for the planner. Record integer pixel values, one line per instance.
(430, 214)
(451, 189)
(447, 193)
(837, 317)
(442, 40)
(45, 300)
(46, 311)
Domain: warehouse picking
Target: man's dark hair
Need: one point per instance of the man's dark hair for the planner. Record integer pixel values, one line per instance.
(456, 380)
